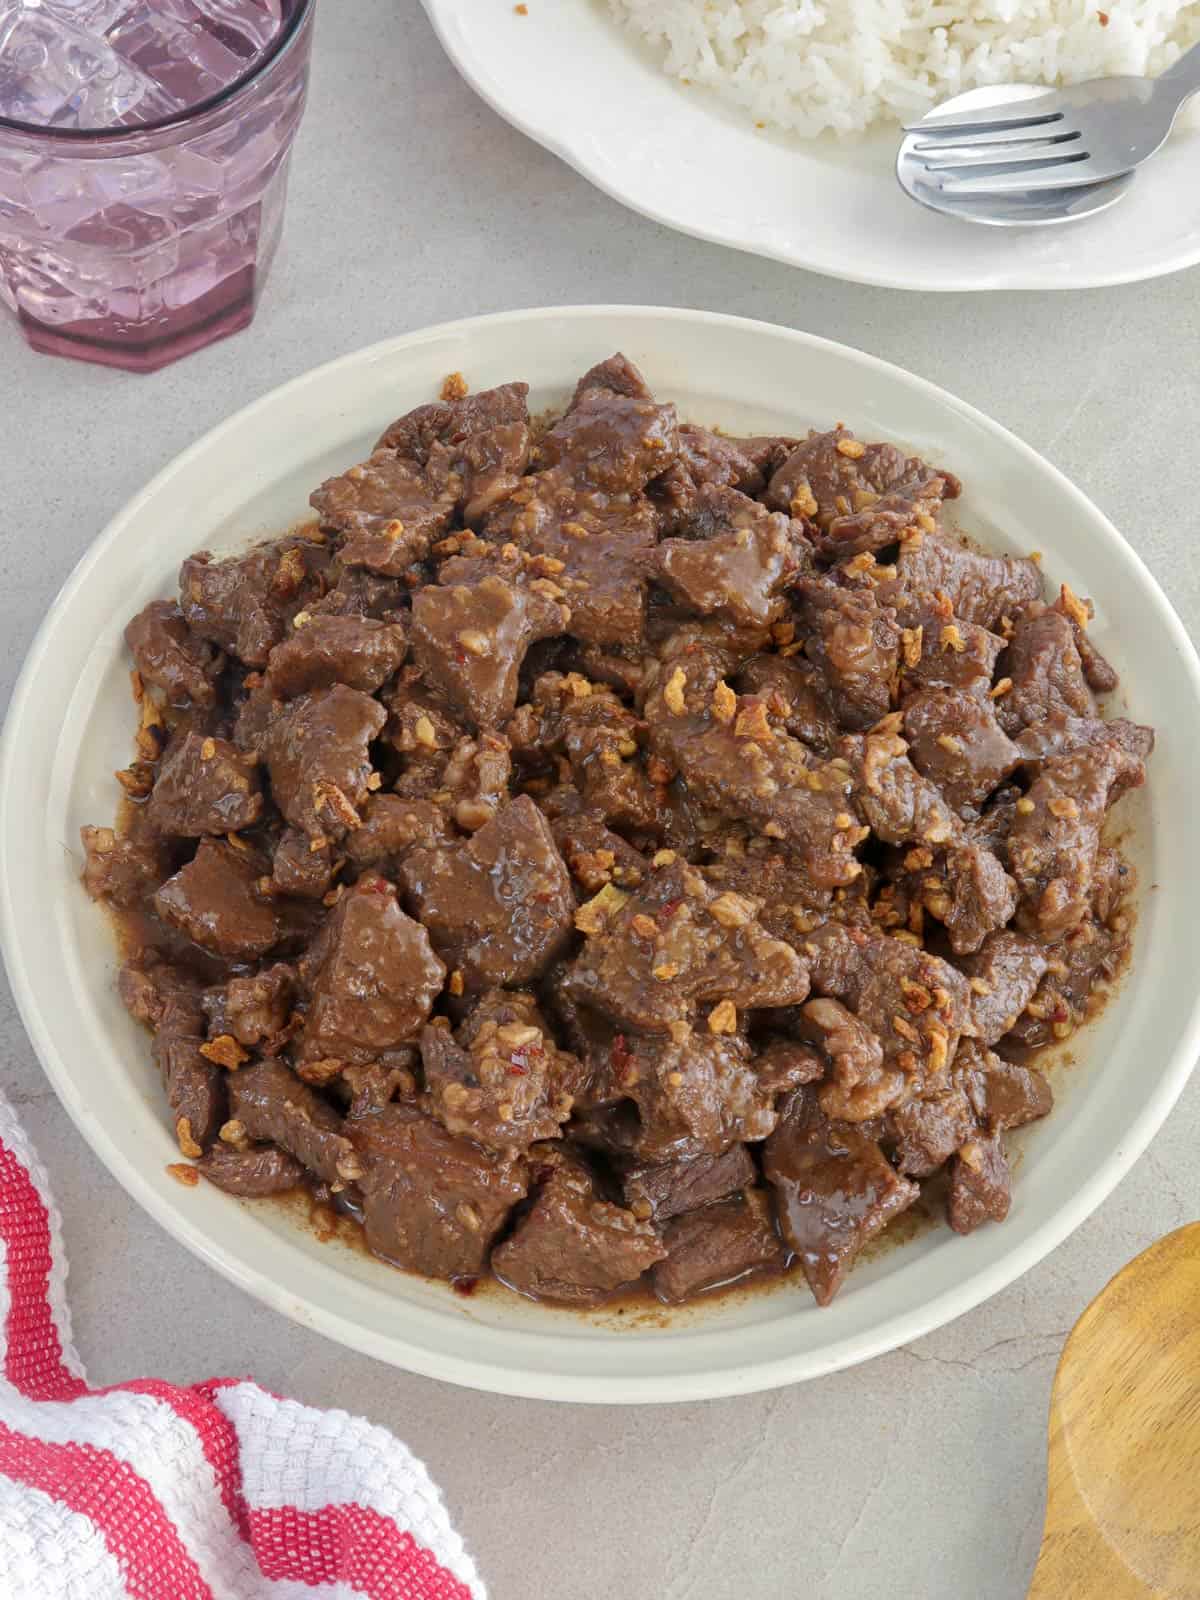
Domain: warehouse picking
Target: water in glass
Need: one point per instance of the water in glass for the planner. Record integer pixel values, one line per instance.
(133, 245)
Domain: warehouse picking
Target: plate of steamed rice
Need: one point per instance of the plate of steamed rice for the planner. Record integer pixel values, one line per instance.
(772, 125)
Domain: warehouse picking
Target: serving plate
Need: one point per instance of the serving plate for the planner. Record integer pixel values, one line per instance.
(69, 727)
(568, 76)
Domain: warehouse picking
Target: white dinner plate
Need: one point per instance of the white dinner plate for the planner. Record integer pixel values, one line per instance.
(69, 726)
(568, 76)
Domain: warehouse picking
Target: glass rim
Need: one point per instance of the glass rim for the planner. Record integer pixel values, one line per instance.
(179, 119)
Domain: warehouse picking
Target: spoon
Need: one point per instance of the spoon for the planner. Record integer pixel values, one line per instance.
(1038, 209)
(1123, 1509)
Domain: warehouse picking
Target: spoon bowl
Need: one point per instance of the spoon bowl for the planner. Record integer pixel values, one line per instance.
(1123, 1504)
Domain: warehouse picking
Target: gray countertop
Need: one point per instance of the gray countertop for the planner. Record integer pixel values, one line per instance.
(920, 1474)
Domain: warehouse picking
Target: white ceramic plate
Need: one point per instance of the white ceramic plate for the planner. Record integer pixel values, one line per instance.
(570, 78)
(69, 726)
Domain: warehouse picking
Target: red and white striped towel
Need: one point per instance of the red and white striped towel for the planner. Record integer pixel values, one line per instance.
(217, 1491)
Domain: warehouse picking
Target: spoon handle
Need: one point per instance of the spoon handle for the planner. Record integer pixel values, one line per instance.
(1184, 76)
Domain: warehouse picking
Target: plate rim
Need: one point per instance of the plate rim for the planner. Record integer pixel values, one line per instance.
(575, 156)
(486, 1373)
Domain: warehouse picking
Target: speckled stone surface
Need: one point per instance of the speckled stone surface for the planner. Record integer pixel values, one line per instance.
(919, 1475)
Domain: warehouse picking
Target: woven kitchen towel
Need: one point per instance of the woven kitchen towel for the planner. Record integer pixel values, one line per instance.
(218, 1491)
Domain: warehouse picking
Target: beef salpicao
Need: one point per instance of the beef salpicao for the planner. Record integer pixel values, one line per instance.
(600, 851)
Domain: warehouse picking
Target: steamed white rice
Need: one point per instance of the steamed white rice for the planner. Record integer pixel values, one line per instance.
(808, 65)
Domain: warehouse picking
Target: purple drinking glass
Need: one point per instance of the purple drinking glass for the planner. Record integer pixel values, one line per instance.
(133, 246)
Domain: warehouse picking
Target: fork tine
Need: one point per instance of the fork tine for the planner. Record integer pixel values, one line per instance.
(979, 122)
(1016, 155)
(1023, 178)
(1043, 134)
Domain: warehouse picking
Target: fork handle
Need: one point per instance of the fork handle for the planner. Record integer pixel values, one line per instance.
(1184, 76)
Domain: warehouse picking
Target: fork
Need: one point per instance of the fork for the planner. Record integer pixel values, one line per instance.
(1060, 140)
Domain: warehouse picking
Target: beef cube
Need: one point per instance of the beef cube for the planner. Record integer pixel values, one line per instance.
(299, 869)
(389, 509)
(146, 985)
(980, 1185)
(955, 741)
(471, 450)
(254, 1008)
(124, 872)
(740, 569)
(658, 1191)
(716, 1246)
(1003, 974)
(964, 886)
(252, 1173)
(1089, 957)
(596, 856)
(169, 656)
(573, 1246)
(594, 552)
(696, 1093)
(491, 465)
(1059, 734)
(1101, 677)
(373, 978)
(897, 515)
(271, 1103)
(354, 650)
(618, 374)
(504, 1082)
(785, 1064)
(935, 569)
(316, 751)
(788, 902)
(215, 901)
(916, 1004)
(941, 651)
(735, 759)
(855, 643)
(1046, 674)
(897, 802)
(600, 739)
(392, 826)
(979, 897)
(498, 907)
(447, 422)
(707, 461)
(677, 943)
(195, 1088)
(470, 642)
(834, 1190)
(797, 696)
(205, 785)
(1002, 1094)
(861, 496)
(246, 603)
(359, 593)
(924, 1134)
(859, 1086)
(611, 442)
(432, 1202)
(422, 731)
(1055, 836)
